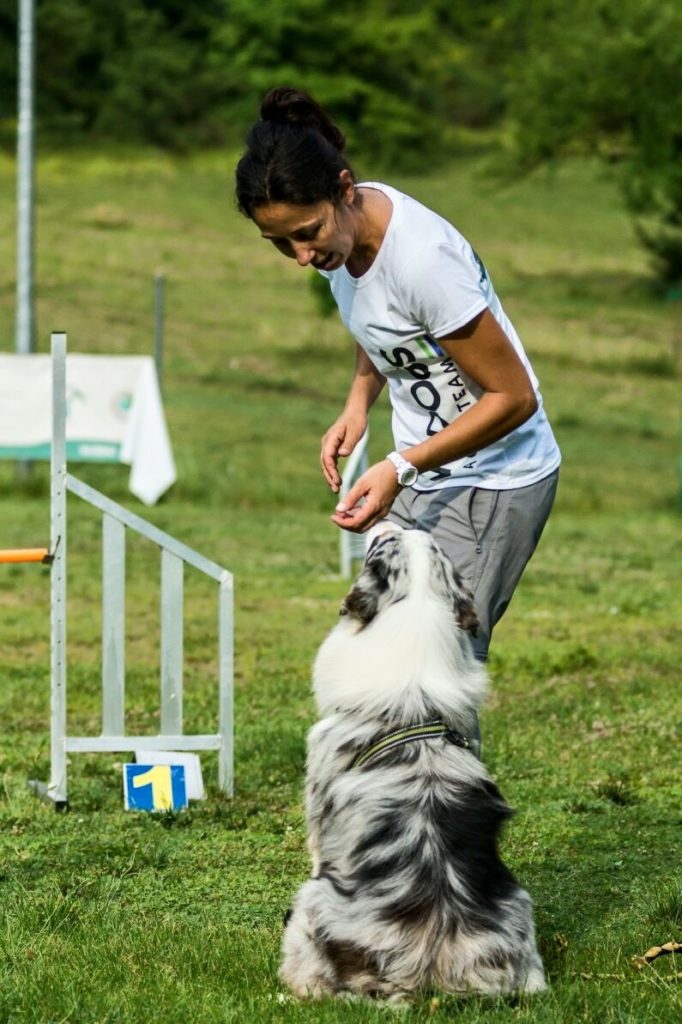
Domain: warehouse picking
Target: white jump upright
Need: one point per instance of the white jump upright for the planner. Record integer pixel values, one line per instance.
(56, 789)
(174, 556)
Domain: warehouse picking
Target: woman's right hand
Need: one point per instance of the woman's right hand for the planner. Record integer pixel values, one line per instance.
(339, 442)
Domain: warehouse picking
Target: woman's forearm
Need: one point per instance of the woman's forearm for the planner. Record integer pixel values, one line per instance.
(483, 352)
(367, 383)
(494, 416)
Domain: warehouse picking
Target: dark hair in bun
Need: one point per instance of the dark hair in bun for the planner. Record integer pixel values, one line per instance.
(294, 154)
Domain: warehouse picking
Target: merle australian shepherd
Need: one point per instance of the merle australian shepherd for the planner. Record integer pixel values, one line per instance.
(407, 891)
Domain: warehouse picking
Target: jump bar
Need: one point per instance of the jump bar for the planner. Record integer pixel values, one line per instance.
(25, 555)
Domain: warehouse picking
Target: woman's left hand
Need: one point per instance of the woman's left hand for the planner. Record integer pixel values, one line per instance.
(379, 488)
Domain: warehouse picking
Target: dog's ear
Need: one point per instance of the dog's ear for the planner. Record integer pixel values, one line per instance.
(461, 597)
(379, 530)
(362, 602)
(381, 582)
(465, 612)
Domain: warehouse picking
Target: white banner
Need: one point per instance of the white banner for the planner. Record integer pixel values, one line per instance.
(113, 414)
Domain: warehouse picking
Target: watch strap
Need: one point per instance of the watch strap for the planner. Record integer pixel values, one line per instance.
(407, 473)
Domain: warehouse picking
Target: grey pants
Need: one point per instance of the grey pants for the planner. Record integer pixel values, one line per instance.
(488, 535)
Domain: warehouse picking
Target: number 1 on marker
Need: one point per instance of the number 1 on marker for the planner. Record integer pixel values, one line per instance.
(159, 778)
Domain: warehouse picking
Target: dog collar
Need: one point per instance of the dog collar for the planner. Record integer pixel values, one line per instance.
(412, 732)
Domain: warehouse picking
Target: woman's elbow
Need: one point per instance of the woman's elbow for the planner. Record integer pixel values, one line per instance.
(526, 406)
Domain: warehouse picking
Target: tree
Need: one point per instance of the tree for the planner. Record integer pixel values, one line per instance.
(605, 76)
(383, 67)
(178, 74)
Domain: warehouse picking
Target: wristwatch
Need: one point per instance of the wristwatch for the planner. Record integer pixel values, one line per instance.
(407, 473)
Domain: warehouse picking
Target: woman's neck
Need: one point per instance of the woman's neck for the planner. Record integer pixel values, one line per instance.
(373, 211)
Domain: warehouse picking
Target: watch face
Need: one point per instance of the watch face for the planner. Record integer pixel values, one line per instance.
(408, 476)
(405, 471)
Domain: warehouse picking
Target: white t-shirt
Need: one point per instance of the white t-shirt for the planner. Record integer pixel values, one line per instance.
(426, 281)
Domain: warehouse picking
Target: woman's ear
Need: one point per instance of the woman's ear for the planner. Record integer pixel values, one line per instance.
(347, 187)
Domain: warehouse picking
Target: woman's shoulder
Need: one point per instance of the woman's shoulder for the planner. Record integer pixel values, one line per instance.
(413, 218)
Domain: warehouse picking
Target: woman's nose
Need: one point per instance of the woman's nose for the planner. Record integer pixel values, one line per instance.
(304, 254)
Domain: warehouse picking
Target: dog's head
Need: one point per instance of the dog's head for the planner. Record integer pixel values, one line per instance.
(406, 563)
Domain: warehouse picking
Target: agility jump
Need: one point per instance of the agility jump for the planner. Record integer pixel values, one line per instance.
(174, 556)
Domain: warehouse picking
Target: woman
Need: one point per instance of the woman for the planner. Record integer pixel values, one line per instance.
(475, 461)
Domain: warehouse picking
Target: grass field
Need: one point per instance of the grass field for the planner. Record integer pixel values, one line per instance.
(108, 916)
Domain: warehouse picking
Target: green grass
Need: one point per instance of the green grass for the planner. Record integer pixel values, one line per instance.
(107, 916)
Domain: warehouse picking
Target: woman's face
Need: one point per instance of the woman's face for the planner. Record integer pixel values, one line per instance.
(321, 235)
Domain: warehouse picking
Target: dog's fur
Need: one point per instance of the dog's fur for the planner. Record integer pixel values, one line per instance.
(407, 890)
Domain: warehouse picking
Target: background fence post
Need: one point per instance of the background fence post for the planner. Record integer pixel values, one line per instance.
(25, 331)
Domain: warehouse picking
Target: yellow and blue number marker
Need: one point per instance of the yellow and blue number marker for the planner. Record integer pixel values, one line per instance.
(154, 787)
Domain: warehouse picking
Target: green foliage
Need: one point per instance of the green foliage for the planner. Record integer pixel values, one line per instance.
(607, 77)
(134, 70)
(160, 85)
(176, 75)
(410, 84)
(377, 65)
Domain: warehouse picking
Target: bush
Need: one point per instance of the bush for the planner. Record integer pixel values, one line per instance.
(606, 77)
(180, 75)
